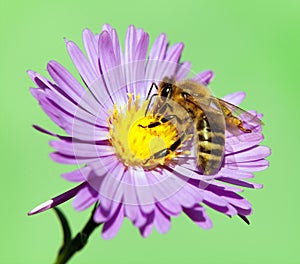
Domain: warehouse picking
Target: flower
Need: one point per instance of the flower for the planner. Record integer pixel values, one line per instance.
(107, 136)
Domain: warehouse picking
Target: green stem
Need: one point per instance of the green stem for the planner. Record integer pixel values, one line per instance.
(71, 246)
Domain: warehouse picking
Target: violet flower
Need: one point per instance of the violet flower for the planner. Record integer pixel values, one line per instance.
(99, 120)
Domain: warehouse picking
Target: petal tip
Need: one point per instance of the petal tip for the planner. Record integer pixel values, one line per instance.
(41, 208)
(86, 30)
(51, 64)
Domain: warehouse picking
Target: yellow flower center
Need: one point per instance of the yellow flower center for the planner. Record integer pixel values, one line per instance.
(135, 143)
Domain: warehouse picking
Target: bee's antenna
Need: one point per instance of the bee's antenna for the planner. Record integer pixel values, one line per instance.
(152, 85)
(147, 109)
(150, 90)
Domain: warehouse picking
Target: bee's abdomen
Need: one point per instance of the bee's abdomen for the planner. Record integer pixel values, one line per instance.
(210, 144)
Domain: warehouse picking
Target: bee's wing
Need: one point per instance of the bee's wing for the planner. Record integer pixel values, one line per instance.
(239, 112)
(251, 119)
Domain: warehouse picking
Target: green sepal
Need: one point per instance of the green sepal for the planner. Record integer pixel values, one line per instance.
(65, 226)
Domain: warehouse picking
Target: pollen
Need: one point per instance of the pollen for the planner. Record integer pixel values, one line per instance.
(135, 143)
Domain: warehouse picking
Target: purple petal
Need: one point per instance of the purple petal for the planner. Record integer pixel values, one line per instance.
(183, 70)
(136, 46)
(193, 192)
(214, 199)
(105, 210)
(187, 197)
(252, 154)
(170, 207)
(187, 170)
(57, 200)
(112, 227)
(113, 75)
(198, 215)
(228, 210)
(90, 45)
(69, 159)
(172, 58)
(112, 186)
(84, 68)
(131, 211)
(106, 52)
(49, 109)
(240, 183)
(81, 150)
(65, 80)
(143, 192)
(77, 175)
(235, 98)
(234, 174)
(239, 203)
(223, 186)
(231, 197)
(101, 166)
(174, 52)
(168, 190)
(146, 229)
(162, 222)
(85, 198)
(155, 60)
(159, 48)
(251, 166)
(130, 44)
(70, 139)
(243, 141)
(142, 47)
(71, 86)
(115, 41)
(130, 195)
(63, 111)
(47, 132)
(242, 211)
(134, 213)
(204, 77)
(140, 219)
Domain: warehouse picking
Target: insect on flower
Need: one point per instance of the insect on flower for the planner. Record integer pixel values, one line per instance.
(147, 167)
(185, 100)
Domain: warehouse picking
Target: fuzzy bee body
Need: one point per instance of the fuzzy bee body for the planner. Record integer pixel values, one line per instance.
(196, 109)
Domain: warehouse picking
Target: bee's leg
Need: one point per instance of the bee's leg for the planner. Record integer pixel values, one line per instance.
(164, 152)
(161, 121)
(232, 120)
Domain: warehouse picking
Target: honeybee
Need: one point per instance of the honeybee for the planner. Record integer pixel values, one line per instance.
(210, 117)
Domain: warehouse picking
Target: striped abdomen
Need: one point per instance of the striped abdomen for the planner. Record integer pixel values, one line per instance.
(210, 141)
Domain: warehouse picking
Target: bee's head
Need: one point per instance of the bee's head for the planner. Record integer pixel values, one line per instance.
(166, 89)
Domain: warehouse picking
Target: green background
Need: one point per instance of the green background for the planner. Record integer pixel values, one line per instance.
(251, 46)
